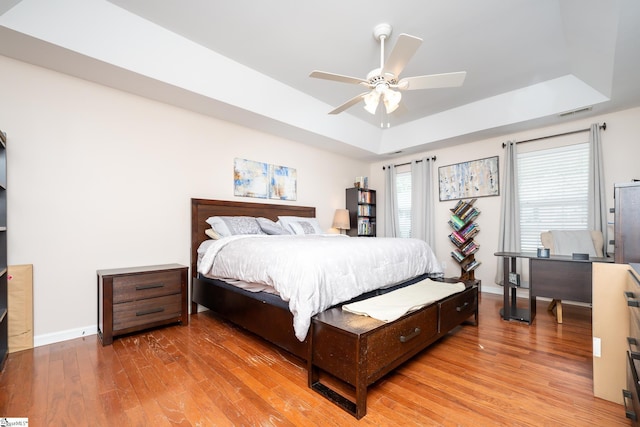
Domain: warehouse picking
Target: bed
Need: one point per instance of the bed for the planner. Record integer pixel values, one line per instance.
(250, 309)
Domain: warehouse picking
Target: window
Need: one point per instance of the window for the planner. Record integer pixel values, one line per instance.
(403, 189)
(553, 186)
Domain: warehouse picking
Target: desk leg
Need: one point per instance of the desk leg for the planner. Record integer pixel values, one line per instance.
(506, 307)
(532, 295)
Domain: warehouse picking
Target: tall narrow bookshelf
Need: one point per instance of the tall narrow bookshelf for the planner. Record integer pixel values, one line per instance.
(4, 318)
(361, 204)
(464, 229)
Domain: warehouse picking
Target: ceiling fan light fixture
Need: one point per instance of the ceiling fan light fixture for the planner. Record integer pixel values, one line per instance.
(391, 100)
(371, 101)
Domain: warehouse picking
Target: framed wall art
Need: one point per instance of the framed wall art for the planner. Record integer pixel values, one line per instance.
(475, 178)
(262, 180)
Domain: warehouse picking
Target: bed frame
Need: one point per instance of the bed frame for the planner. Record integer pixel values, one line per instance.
(355, 350)
(248, 312)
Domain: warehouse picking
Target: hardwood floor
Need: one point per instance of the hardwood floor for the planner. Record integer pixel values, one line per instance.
(210, 374)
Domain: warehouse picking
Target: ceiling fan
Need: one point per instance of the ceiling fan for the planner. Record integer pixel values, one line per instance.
(384, 83)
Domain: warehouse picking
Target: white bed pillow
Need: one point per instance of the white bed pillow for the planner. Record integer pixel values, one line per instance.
(271, 227)
(234, 225)
(212, 234)
(300, 225)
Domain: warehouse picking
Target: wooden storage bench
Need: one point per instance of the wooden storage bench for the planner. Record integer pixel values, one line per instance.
(358, 350)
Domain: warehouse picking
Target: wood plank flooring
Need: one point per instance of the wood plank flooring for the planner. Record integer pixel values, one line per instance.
(212, 374)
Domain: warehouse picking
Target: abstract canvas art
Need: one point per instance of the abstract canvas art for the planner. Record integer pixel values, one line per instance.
(262, 180)
(282, 183)
(250, 178)
(476, 178)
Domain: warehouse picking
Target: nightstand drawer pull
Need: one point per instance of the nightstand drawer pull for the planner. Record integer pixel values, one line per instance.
(626, 394)
(412, 335)
(151, 286)
(462, 307)
(631, 301)
(150, 311)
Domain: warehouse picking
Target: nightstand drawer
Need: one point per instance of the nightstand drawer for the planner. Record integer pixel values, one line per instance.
(143, 286)
(137, 313)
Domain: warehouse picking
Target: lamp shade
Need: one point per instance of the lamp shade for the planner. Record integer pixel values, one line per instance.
(341, 219)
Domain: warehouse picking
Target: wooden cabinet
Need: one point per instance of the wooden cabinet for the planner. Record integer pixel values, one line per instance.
(464, 229)
(133, 299)
(626, 222)
(361, 204)
(4, 317)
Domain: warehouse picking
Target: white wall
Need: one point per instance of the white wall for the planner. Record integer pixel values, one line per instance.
(99, 178)
(621, 149)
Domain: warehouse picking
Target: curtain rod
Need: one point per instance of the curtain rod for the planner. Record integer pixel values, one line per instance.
(433, 159)
(603, 127)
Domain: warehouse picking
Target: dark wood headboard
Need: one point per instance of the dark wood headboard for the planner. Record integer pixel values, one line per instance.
(201, 209)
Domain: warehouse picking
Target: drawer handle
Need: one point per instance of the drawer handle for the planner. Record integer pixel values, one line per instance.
(411, 336)
(150, 311)
(462, 307)
(626, 394)
(631, 302)
(634, 354)
(151, 286)
(633, 276)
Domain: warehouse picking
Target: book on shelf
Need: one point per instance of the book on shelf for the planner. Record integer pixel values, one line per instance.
(457, 255)
(463, 206)
(365, 196)
(469, 215)
(364, 210)
(366, 226)
(470, 266)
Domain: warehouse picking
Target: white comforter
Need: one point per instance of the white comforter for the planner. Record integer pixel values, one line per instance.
(314, 272)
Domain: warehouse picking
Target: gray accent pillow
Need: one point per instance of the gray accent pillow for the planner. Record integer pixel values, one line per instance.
(234, 225)
(271, 227)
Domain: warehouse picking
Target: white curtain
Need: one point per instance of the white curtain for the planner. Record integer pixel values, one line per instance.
(597, 219)
(422, 201)
(391, 222)
(509, 238)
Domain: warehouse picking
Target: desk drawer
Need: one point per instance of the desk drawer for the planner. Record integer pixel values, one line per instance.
(145, 312)
(147, 285)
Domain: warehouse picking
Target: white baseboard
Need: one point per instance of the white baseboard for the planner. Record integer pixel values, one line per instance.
(69, 334)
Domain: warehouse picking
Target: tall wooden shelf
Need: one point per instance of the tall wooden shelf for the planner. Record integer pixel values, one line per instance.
(361, 204)
(463, 231)
(4, 318)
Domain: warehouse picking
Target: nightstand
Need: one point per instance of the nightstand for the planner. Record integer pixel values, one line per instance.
(137, 298)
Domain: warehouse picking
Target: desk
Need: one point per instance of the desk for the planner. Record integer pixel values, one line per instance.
(557, 277)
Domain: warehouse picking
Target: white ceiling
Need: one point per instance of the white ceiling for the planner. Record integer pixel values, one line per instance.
(248, 61)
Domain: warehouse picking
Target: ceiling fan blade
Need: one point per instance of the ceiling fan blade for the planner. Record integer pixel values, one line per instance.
(432, 81)
(336, 77)
(350, 103)
(402, 52)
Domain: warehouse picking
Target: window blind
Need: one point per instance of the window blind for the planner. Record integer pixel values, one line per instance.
(403, 189)
(553, 187)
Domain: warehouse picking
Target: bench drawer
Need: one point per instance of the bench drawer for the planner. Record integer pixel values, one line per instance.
(457, 309)
(400, 338)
